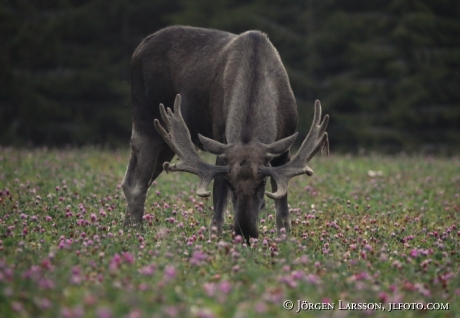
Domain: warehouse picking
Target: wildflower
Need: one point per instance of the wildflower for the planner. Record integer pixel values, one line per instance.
(46, 264)
(147, 217)
(313, 279)
(274, 295)
(147, 270)
(414, 253)
(235, 255)
(360, 276)
(17, 307)
(297, 275)
(135, 313)
(203, 313)
(128, 257)
(76, 275)
(170, 272)
(198, 258)
(383, 297)
(43, 303)
(114, 263)
(288, 280)
(45, 283)
(104, 312)
(225, 287)
(260, 307)
(171, 311)
(238, 239)
(210, 289)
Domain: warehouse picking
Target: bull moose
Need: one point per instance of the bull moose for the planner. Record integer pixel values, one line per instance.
(232, 98)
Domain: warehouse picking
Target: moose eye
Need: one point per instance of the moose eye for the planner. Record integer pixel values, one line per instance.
(259, 186)
(230, 185)
(223, 160)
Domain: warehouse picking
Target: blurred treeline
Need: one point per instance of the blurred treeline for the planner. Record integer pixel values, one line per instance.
(388, 72)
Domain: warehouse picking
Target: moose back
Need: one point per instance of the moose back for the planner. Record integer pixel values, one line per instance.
(232, 98)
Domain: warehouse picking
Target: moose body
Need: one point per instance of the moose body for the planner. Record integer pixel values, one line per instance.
(232, 97)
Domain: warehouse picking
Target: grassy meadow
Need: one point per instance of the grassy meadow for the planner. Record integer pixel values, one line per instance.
(368, 232)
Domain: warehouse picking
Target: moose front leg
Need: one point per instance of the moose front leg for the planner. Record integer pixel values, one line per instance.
(281, 205)
(282, 211)
(220, 200)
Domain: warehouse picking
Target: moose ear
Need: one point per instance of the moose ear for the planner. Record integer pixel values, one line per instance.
(212, 146)
(281, 146)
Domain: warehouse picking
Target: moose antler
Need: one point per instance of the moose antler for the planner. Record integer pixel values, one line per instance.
(178, 139)
(316, 140)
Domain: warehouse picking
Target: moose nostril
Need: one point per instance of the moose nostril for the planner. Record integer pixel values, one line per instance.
(242, 163)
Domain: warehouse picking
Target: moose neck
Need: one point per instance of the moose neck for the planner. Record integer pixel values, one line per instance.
(250, 90)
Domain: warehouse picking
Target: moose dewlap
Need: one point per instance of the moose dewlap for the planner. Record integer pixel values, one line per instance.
(232, 98)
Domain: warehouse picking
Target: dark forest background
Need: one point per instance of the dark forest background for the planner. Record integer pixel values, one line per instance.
(388, 72)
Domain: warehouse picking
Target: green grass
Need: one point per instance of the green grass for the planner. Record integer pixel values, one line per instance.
(371, 229)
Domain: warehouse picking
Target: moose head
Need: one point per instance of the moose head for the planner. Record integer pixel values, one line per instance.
(246, 165)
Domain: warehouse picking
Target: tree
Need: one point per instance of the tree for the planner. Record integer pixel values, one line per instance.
(388, 72)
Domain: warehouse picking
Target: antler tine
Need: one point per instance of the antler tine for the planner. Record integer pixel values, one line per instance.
(316, 140)
(325, 148)
(166, 136)
(316, 114)
(177, 103)
(316, 137)
(178, 139)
